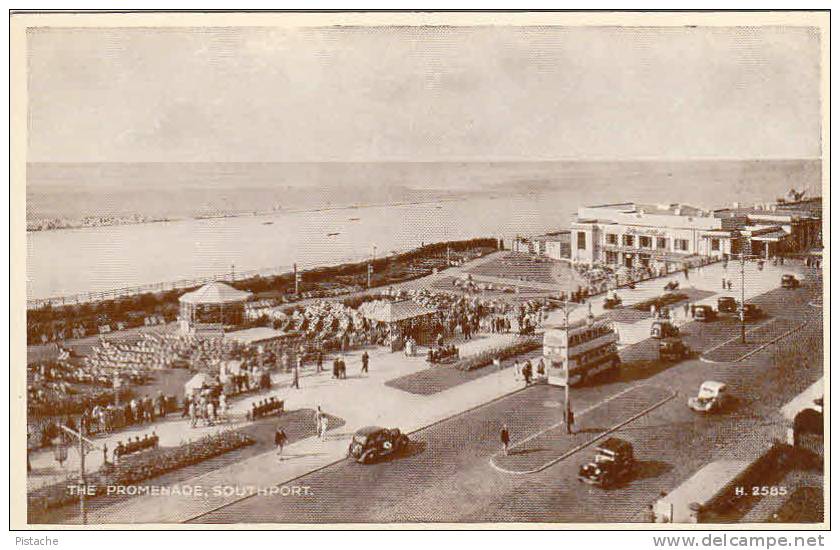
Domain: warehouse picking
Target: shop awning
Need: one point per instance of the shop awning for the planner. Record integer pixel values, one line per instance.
(385, 311)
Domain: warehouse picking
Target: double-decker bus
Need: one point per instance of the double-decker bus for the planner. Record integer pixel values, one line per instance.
(580, 352)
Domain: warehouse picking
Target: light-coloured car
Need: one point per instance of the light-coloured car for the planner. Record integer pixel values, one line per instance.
(712, 397)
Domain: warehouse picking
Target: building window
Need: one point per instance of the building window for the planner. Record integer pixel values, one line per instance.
(612, 238)
(716, 244)
(681, 244)
(581, 240)
(661, 243)
(645, 242)
(628, 240)
(612, 257)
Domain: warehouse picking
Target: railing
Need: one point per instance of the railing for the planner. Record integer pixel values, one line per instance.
(182, 284)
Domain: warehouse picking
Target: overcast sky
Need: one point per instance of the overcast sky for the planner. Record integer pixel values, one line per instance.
(422, 94)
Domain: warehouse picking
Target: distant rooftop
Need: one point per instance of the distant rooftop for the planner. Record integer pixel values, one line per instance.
(672, 209)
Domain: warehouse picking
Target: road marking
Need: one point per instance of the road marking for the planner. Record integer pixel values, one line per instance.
(577, 448)
(773, 341)
(710, 350)
(581, 413)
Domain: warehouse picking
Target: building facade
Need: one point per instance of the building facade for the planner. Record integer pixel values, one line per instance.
(635, 235)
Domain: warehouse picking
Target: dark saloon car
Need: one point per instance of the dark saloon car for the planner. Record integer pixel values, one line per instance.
(727, 304)
(372, 443)
(673, 349)
(750, 312)
(789, 281)
(613, 462)
(704, 313)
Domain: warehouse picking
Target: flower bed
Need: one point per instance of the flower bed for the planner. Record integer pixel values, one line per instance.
(134, 469)
(479, 360)
(661, 301)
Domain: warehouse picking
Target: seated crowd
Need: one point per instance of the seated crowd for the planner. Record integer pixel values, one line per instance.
(135, 446)
(265, 407)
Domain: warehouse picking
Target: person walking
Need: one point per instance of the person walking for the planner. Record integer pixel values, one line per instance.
(296, 375)
(319, 361)
(729, 284)
(193, 414)
(504, 436)
(526, 373)
(517, 368)
(323, 425)
(723, 283)
(318, 414)
(279, 441)
(223, 408)
(686, 307)
(365, 361)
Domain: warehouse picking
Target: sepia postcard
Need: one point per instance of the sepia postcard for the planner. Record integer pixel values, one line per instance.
(484, 270)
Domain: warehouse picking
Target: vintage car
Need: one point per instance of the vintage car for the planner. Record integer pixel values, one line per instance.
(704, 313)
(663, 328)
(712, 397)
(673, 349)
(613, 462)
(612, 302)
(727, 304)
(373, 442)
(750, 312)
(789, 281)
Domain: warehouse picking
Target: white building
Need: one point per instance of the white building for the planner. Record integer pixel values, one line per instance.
(653, 235)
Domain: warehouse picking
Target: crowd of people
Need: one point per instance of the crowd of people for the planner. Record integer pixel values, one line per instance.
(206, 405)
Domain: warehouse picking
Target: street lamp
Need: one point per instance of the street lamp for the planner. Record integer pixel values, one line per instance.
(85, 446)
(742, 313)
(370, 267)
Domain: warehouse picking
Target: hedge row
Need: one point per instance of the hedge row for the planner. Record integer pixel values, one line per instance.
(521, 345)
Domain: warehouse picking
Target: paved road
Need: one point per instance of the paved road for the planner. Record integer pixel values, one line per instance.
(447, 474)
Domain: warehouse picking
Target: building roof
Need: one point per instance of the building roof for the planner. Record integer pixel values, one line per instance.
(773, 236)
(385, 311)
(215, 293)
(673, 209)
(253, 335)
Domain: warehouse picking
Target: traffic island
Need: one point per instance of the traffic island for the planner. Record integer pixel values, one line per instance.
(538, 451)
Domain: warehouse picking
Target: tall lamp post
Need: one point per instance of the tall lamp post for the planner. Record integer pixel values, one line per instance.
(567, 414)
(370, 267)
(85, 446)
(742, 312)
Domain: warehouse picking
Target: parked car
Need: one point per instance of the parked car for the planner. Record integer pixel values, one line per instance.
(711, 397)
(663, 328)
(789, 281)
(612, 463)
(704, 313)
(673, 349)
(612, 302)
(373, 442)
(750, 312)
(727, 304)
